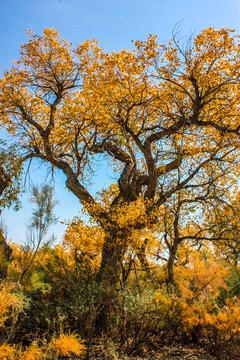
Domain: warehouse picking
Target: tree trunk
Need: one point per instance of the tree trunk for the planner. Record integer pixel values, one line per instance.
(170, 265)
(114, 249)
(173, 251)
(108, 278)
(141, 254)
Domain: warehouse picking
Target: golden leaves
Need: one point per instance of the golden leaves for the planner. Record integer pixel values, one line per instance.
(10, 303)
(67, 345)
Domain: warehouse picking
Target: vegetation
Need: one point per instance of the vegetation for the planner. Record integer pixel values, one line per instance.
(10, 175)
(157, 262)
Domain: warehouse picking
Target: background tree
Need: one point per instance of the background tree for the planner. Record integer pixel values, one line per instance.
(223, 222)
(10, 180)
(42, 219)
(150, 112)
(189, 215)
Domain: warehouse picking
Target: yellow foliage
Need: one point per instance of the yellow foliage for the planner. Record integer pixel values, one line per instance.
(33, 352)
(15, 266)
(7, 352)
(10, 303)
(199, 284)
(228, 318)
(130, 213)
(86, 240)
(201, 277)
(66, 345)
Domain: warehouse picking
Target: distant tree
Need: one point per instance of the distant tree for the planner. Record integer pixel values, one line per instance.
(187, 218)
(152, 112)
(42, 219)
(223, 222)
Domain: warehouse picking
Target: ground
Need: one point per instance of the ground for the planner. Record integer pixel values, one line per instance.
(165, 353)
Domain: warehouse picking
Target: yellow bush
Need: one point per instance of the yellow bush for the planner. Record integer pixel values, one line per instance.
(201, 278)
(10, 303)
(228, 318)
(7, 352)
(199, 286)
(66, 345)
(33, 352)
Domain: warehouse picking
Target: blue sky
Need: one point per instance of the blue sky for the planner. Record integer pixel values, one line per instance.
(115, 23)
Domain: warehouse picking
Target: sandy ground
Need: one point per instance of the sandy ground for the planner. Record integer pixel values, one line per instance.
(165, 353)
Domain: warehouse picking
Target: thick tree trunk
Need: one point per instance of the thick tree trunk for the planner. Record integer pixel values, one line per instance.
(108, 277)
(114, 249)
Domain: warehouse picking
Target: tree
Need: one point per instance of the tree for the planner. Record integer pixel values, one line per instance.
(224, 229)
(41, 221)
(151, 112)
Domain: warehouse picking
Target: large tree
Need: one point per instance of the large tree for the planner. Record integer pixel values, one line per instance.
(152, 112)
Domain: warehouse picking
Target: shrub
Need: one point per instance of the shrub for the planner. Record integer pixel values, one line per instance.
(67, 345)
(7, 352)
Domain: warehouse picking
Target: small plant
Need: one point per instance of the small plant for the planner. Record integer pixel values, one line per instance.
(67, 345)
(33, 352)
(7, 352)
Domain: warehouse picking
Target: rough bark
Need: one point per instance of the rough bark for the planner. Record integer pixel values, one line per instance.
(114, 249)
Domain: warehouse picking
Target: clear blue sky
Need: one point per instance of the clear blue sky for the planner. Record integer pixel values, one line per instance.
(114, 23)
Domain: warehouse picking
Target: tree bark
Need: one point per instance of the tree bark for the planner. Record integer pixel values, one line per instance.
(108, 277)
(170, 265)
(114, 249)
